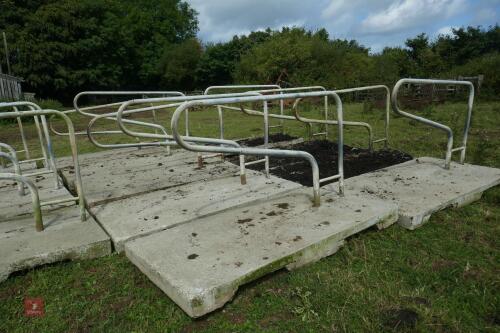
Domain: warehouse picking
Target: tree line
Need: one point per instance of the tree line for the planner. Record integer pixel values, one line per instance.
(61, 47)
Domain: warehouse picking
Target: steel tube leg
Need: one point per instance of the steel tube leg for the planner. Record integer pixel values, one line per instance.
(243, 175)
(11, 156)
(2, 161)
(266, 137)
(23, 138)
(37, 211)
(221, 126)
(282, 113)
(326, 116)
(50, 151)
(470, 104)
(42, 144)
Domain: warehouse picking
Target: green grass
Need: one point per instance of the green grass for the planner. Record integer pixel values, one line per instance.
(445, 273)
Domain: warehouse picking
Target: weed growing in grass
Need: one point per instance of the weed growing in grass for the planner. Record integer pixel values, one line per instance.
(304, 309)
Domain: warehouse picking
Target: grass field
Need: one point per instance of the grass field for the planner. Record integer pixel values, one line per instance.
(442, 277)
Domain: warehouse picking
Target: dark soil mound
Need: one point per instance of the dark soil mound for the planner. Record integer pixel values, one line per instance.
(356, 161)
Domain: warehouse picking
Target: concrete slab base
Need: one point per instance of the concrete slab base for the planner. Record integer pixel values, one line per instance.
(112, 177)
(201, 264)
(25, 167)
(144, 214)
(422, 187)
(108, 154)
(12, 204)
(65, 237)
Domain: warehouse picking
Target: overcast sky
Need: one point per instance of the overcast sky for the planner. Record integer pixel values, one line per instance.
(374, 23)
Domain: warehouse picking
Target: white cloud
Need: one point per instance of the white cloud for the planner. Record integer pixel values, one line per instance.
(406, 14)
(374, 23)
(222, 19)
(334, 8)
(446, 31)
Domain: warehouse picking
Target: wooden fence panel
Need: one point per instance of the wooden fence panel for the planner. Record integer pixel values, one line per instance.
(10, 88)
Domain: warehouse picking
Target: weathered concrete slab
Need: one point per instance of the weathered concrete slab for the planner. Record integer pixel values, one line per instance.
(25, 167)
(65, 237)
(422, 187)
(108, 154)
(12, 204)
(201, 264)
(155, 211)
(136, 172)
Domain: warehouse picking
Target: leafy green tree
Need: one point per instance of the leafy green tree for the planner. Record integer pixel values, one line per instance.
(67, 46)
(424, 61)
(465, 44)
(178, 65)
(218, 62)
(307, 58)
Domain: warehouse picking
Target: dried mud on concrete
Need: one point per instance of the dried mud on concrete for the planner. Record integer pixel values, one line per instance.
(357, 161)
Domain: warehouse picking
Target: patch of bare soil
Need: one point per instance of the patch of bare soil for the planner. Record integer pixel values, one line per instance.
(357, 161)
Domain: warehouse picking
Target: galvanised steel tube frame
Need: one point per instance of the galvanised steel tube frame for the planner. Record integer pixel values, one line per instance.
(262, 151)
(240, 87)
(282, 90)
(387, 109)
(307, 121)
(281, 116)
(37, 212)
(25, 144)
(333, 122)
(74, 153)
(23, 139)
(157, 127)
(12, 157)
(449, 132)
(17, 166)
(221, 117)
(368, 127)
(174, 102)
(82, 110)
(46, 144)
(127, 145)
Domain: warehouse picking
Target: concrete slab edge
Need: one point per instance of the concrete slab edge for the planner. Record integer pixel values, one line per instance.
(213, 299)
(415, 221)
(88, 251)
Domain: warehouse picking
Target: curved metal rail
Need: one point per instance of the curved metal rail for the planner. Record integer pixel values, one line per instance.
(220, 109)
(240, 87)
(309, 125)
(333, 122)
(280, 116)
(367, 126)
(167, 139)
(309, 121)
(265, 151)
(174, 102)
(25, 149)
(80, 198)
(387, 109)
(446, 129)
(43, 136)
(85, 112)
(12, 157)
(35, 199)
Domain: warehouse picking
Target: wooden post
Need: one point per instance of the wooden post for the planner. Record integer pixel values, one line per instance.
(6, 53)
